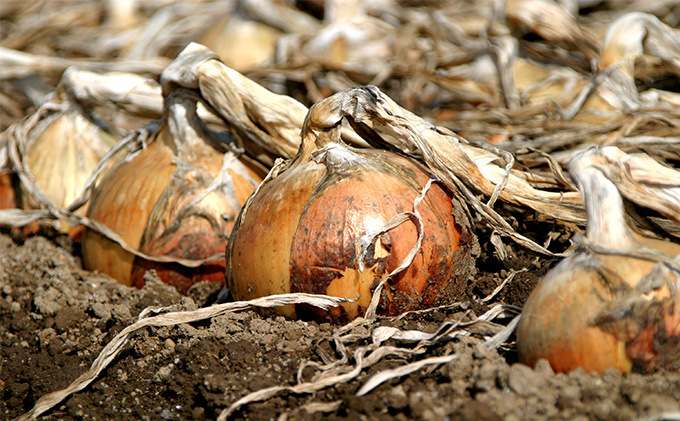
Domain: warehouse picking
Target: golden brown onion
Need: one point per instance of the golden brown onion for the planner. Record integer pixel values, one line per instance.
(598, 310)
(7, 194)
(303, 232)
(177, 197)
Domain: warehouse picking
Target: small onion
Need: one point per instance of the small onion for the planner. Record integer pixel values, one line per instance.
(178, 197)
(58, 147)
(598, 311)
(303, 231)
(241, 43)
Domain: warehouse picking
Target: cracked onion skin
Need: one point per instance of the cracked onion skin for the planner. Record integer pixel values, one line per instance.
(300, 233)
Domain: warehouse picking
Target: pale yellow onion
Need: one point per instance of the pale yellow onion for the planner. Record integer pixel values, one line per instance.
(59, 146)
(241, 43)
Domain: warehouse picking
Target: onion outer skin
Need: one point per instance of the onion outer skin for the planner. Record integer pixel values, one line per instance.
(7, 192)
(300, 234)
(562, 321)
(160, 207)
(187, 221)
(75, 145)
(124, 202)
(59, 147)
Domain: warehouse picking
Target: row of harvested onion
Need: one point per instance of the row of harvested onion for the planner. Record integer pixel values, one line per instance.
(367, 224)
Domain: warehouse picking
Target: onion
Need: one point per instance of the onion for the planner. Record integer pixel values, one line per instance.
(56, 149)
(179, 196)
(241, 43)
(319, 225)
(604, 309)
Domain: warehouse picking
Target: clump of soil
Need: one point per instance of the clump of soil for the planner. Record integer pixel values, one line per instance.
(55, 318)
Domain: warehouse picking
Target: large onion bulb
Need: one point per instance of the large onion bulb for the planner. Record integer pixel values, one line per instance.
(305, 230)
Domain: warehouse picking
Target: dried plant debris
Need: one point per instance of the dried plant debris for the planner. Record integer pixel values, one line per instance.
(386, 125)
(329, 374)
(166, 317)
(199, 369)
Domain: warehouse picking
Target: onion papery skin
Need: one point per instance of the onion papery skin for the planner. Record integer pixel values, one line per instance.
(62, 150)
(123, 202)
(301, 233)
(604, 307)
(62, 155)
(588, 313)
(188, 222)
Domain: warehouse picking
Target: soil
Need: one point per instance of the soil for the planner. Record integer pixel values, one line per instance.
(55, 318)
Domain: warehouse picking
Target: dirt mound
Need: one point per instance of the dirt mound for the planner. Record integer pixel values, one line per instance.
(55, 318)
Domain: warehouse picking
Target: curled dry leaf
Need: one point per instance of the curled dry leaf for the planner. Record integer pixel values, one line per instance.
(626, 40)
(553, 22)
(134, 94)
(614, 303)
(643, 180)
(384, 124)
(351, 38)
(17, 64)
(266, 124)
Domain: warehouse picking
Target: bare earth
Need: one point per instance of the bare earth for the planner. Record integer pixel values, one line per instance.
(55, 318)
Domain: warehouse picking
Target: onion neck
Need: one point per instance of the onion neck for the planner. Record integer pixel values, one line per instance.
(321, 126)
(606, 226)
(189, 139)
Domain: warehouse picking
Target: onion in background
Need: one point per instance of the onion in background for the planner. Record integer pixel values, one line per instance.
(55, 150)
(615, 303)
